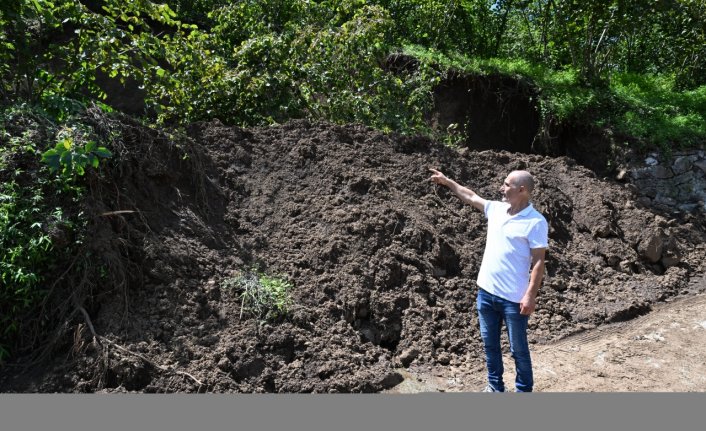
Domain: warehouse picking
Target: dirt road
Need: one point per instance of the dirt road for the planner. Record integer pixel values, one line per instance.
(663, 351)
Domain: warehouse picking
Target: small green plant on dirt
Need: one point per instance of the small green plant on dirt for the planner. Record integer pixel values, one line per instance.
(264, 297)
(70, 155)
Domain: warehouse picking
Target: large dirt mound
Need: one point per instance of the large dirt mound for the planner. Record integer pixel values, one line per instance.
(383, 262)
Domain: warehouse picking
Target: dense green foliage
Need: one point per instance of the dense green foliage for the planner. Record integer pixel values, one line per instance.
(633, 66)
(24, 247)
(32, 212)
(654, 112)
(257, 62)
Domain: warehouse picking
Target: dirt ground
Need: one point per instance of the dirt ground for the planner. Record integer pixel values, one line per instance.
(382, 261)
(662, 351)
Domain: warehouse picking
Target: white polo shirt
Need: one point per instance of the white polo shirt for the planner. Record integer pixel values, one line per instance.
(505, 270)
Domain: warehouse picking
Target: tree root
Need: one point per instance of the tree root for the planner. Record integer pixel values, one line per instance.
(100, 340)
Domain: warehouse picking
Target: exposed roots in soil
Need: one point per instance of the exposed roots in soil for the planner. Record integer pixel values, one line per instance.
(103, 342)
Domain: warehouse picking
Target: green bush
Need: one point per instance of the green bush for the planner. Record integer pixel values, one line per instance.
(24, 250)
(35, 216)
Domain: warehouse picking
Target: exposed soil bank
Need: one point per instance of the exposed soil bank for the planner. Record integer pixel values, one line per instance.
(383, 262)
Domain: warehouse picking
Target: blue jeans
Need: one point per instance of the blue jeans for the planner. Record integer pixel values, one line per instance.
(492, 311)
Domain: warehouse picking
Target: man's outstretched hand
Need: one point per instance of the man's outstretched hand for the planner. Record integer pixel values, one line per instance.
(437, 177)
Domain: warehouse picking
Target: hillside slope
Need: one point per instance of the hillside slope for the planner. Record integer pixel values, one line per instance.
(383, 262)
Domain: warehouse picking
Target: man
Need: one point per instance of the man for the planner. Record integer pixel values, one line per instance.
(510, 274)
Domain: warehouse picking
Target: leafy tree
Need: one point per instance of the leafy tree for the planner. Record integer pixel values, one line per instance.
(598, 37)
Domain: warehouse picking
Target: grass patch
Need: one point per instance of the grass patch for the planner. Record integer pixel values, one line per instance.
(264, 297)
(654, 112)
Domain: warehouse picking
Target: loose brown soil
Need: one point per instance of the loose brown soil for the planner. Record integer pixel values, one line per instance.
(383, 262)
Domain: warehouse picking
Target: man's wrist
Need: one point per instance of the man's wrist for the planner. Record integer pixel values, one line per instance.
(530, 295)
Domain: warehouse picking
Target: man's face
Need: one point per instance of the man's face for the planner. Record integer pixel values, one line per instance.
(511, 192)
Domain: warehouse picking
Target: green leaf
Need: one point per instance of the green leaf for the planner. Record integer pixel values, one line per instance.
(51, 158)
(94, 160)
(66, 143)
(102, 152)
(50, 152)
(66, 158)
(81, 159)
(90, 145)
